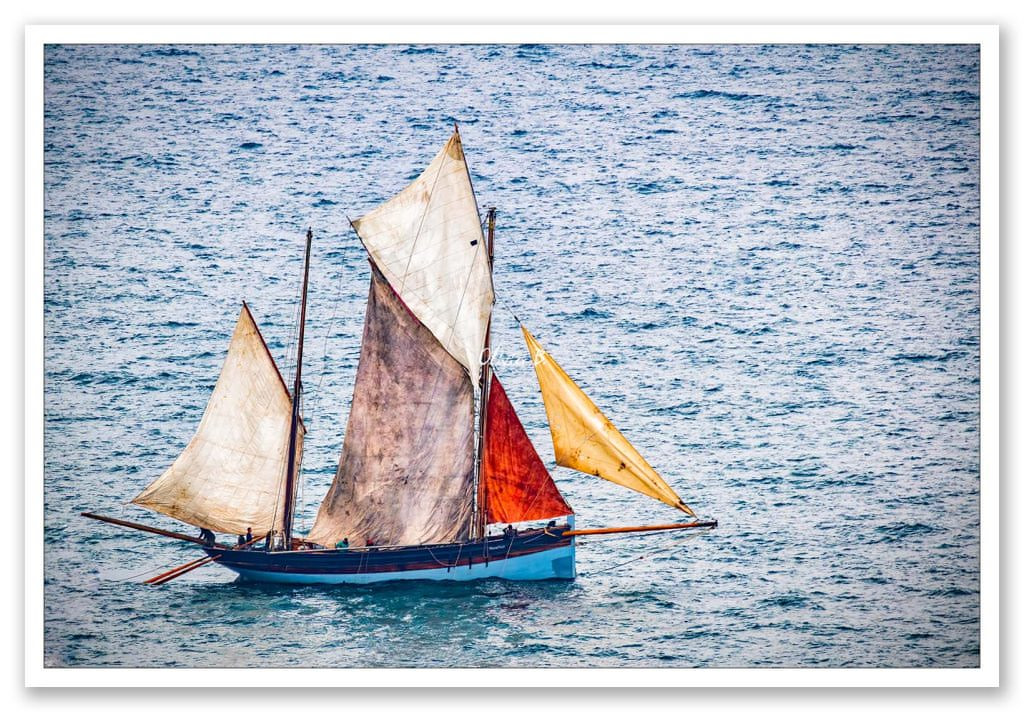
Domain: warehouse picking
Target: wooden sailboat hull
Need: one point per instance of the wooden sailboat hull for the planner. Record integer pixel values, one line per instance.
(531, 555)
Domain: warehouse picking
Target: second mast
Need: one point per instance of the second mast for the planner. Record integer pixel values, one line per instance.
(290, 475)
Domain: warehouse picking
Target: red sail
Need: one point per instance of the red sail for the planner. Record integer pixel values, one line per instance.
(516, 487)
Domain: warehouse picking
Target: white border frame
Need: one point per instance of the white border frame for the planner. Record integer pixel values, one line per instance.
(987, 36)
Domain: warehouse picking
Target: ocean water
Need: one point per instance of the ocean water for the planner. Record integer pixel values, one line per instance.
(762, 261)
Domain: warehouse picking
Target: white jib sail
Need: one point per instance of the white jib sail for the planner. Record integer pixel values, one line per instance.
(231, 474)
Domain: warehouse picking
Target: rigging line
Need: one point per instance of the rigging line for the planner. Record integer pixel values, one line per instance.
(300, 489)
(462, 299)
(439, 562)
(292, 345)
(501, 302)
(143, 573)
(327, 334)
(674, 547)
(637, 535)
(293, 336)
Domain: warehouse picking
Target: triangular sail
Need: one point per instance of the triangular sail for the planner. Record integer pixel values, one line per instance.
(405, 475)
(586, 440)
(231, 475)
(428, 244)
(515, 485)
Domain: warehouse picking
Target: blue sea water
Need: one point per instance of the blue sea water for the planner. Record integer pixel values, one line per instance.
(762, 261)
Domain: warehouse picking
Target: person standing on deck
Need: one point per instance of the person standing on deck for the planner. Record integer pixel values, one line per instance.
(208, 537)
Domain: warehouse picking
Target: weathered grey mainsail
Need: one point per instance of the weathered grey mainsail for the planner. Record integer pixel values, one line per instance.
(406, 470)
(231, 475)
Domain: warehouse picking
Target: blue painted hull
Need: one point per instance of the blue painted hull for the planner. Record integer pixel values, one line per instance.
(532, 555)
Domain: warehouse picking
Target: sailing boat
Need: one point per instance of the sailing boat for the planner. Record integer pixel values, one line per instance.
(422, 483)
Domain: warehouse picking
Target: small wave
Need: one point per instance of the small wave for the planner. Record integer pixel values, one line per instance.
(958, 95)
(765, 480)
(96, 379)
(789, 600)
(604, 65)
(827, 360)
(686, 408)
(250, 145)
(533, 50)
(952, 592)
(888, 118)
(414, 49)
(938, 358)
(591, 313)
(902, 530)
(711, 94)
(170, 52)
(649, 188)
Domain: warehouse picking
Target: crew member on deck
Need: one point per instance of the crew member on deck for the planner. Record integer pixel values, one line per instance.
(248, 535)
(343, 544)
(208, 537)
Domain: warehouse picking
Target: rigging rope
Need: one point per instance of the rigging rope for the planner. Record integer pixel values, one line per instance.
(674, 547)
(327, 334)
(143, 573)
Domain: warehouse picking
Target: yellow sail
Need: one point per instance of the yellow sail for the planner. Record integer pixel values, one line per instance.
(586, 440)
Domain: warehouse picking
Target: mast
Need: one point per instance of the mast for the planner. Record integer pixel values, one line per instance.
(485, 392)
(289, 486)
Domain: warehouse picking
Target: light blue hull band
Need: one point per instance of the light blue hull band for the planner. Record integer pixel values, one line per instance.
(559, 563)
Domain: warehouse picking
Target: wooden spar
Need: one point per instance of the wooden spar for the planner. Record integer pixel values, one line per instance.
(649, 528)
(182, 572)
(195, 562)
(289, 483)
(485, 394)
(144, 528)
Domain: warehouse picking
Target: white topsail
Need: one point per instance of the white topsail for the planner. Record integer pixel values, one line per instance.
(231, 474)
(428, 243)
